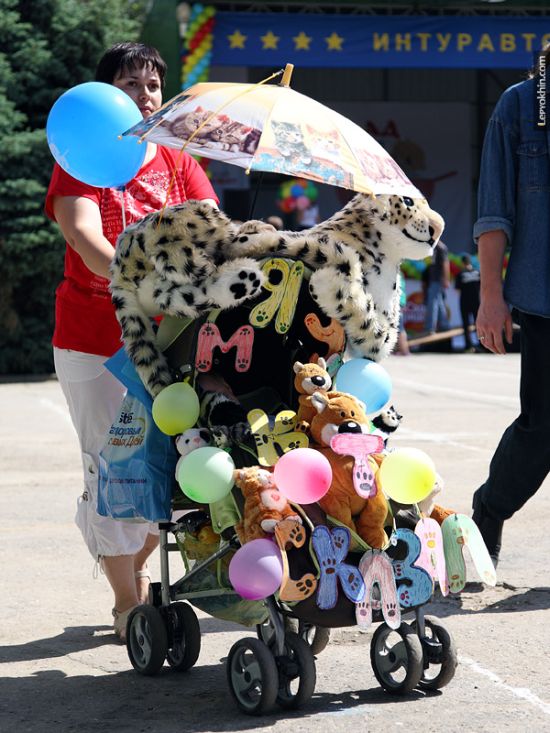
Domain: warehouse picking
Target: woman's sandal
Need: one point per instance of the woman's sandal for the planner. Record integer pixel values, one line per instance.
(120, 621)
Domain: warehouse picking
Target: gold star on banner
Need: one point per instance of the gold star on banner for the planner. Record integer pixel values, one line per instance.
(270, 40)
(236, 39)
(334, 42)
(301, 41)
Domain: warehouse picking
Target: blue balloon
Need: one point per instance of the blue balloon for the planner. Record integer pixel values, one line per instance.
(367, 381)
(83, 132)
(297, 190)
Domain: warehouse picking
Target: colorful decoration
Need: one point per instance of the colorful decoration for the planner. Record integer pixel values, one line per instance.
(366, 380)
(359, 446)
(197, 45)
(303, 475)
(414, 585)
(331, 548)
(271, 443)
(176, 408)
(460, 531)
(256, 569)
(291, 534)
(283, 279)
(209, 338)
(333, 335)
(296, 194)
(407, 475)
(84, 128)
(206, 475)
(432, 555)
(376, 569)
(414, 269)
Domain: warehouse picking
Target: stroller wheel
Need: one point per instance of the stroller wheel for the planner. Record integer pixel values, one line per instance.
(396, 658)
(184, 636)
(146, 640)
(297, 675)
(440, 654)
(252, 676)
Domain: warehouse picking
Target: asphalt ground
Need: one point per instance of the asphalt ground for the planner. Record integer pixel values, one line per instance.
(62, 670)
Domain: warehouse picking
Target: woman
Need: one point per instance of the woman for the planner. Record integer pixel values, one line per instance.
(86, 330)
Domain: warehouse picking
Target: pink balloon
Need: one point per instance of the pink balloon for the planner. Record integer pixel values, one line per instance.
(303, 475)
(256, 570)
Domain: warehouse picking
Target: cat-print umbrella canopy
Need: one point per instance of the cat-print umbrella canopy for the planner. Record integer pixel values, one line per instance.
(267, 127)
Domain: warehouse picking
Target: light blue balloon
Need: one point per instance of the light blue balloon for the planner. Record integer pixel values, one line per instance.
(83, 132)
(366, 380)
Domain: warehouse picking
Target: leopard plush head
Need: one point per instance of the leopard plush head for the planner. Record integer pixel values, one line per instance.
(409, 227)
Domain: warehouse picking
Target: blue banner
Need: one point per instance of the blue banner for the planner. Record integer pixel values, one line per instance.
(375, 41)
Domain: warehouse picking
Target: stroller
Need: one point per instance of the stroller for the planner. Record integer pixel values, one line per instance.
(276, 666)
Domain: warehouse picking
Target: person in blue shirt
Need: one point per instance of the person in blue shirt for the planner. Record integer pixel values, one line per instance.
(514, 211)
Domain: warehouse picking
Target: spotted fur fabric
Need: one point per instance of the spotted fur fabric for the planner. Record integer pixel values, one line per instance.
(177, 263)
(193, 258)
(355, 256)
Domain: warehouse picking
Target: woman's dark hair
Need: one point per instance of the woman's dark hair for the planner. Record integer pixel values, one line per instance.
(129, 56)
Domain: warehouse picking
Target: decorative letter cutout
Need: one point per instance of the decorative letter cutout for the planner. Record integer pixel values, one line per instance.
(291, 533)
(210, 337)
(376, 569)
(283, 281)
(414, 585)
(271, 444)
(331, 548)
(460, 531)
(432, 556)
(333, 335)
(359, 445)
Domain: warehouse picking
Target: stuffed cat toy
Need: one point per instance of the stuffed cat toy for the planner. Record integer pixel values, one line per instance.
(310, 378)
(264, 505)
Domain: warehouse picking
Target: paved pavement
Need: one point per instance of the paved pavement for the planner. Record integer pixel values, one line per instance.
(61, 669)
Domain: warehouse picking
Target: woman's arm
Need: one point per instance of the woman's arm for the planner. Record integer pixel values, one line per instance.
(80, 221)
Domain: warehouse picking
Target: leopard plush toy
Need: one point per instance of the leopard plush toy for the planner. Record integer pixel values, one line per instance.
(355, 256)
(193, 258)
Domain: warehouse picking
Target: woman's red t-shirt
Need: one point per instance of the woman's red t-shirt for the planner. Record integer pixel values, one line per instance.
(84, 314)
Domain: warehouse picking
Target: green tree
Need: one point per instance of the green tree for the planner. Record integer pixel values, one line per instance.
(47, 46)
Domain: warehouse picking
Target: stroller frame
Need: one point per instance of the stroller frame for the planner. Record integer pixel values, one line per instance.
(277, 667)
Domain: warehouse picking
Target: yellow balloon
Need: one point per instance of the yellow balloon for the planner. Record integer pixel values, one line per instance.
(407, 475)
(176, 408)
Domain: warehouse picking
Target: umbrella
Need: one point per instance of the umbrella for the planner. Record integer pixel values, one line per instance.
(271, 127)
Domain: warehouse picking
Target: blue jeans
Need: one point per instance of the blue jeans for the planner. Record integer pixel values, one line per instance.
(522, 459)
(436, 312)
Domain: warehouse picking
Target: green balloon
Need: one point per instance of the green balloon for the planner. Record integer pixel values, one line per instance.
(176, 408)
(206, 475)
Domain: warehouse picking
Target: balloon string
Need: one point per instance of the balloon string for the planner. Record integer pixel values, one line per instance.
(122, 190)
(199, 128)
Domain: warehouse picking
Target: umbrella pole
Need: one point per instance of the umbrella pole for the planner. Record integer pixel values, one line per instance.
(256, 192)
